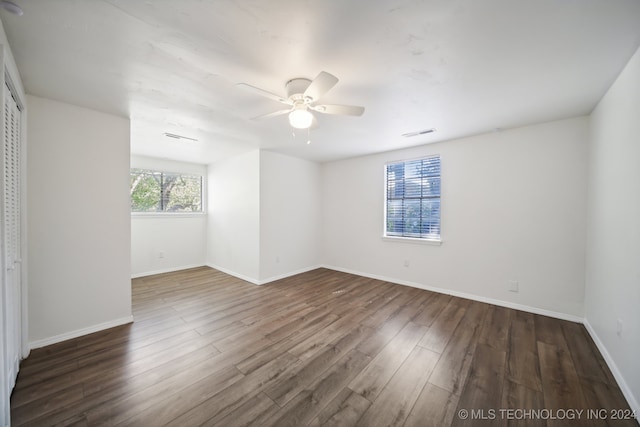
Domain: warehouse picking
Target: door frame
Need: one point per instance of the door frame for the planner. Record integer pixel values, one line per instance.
(11, 79)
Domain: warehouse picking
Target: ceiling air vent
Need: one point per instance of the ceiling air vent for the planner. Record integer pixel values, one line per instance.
(420, 132)
(175, 136)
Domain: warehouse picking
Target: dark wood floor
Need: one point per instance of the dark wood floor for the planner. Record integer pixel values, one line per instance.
(320, 348)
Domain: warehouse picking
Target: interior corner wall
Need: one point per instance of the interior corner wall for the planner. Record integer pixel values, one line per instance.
(613, 238)
(513, 208)
(233, 216)
(289, 215)
(180, 238)
(79, 221)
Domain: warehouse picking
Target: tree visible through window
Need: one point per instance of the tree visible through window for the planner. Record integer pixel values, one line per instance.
(413, 199)
(157, 191)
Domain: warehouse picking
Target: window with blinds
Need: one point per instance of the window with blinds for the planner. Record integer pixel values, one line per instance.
(412, 202)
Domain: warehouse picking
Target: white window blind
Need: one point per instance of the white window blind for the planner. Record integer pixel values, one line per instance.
(413, 199)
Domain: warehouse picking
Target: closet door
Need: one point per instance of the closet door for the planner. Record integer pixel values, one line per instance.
(11, 239)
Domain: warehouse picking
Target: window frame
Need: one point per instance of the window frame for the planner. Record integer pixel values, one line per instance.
(410, 239)
(183, 214)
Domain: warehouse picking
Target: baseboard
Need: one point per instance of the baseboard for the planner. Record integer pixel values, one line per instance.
(264, 281)
(166, 270)
(80, 332)
(289, 274)
(507, 304)
(234, 274)
(626, 391)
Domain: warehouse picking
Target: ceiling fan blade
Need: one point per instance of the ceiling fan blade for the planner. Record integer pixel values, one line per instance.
(320, 85)
(274, 114)
(345, 110)
(264, 93)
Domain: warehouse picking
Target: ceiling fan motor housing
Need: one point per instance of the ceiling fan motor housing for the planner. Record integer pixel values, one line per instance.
(296, 87)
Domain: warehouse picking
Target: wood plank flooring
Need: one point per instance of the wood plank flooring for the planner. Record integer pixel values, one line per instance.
(321, 348)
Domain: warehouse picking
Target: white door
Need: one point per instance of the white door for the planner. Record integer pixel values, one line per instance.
(11, 215)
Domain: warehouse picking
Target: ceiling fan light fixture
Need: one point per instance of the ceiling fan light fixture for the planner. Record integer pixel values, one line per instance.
(300, 117)
(302, 95)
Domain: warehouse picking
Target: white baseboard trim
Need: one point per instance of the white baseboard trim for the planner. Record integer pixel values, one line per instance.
(508, 304)
(234, 274)
(80, 332)
(626, 391)
(289, 274)
(264, 281)
(166, 270)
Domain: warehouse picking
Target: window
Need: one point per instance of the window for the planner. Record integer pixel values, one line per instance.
(412, 205)
(157, 191)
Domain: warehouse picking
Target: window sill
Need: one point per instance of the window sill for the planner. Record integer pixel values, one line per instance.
(413, 240)
(167, 214)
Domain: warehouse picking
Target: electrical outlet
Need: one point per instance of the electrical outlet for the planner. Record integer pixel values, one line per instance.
(161, 255)
(407, 263)
(514, 286)
(277, 259)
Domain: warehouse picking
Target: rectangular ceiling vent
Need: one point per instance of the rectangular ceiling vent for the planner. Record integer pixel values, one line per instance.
(420, 132)
(175, 136)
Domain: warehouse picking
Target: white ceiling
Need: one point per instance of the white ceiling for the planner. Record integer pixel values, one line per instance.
(461, 66)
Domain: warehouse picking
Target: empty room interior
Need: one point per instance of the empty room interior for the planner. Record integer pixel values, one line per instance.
(306, 212)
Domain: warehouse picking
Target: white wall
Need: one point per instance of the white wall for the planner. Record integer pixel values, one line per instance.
(79, 222)
(289, 215)
(263, 217)
(613, 244)
(162, 244)
(181, 238)
(233, 219)
(512, 209)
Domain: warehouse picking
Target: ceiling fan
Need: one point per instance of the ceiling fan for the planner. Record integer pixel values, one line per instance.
(302, 96)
